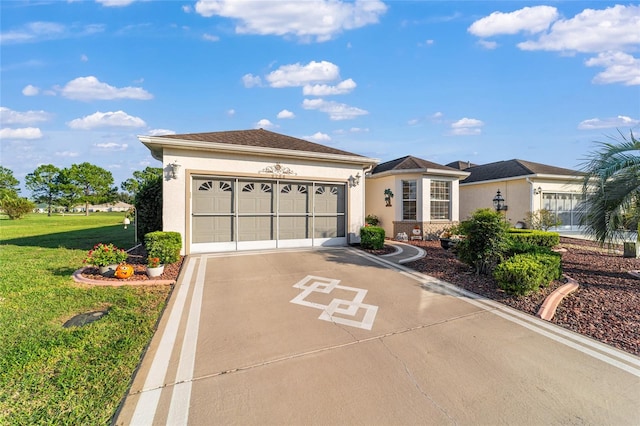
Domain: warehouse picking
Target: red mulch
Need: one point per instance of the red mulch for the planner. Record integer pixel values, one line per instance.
(606, 307)
(138, 259)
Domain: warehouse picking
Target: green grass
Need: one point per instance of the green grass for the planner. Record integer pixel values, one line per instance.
(55, 375)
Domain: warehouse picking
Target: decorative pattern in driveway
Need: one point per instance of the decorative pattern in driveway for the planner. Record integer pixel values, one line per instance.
(337, 309)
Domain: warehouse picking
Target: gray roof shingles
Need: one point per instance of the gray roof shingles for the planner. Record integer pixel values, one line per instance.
(408, 163)
(260, 138)
(513, 168)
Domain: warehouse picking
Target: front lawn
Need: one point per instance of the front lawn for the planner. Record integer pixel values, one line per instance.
(55, 375)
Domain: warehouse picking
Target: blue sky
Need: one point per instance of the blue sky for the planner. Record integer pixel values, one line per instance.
(441, 80)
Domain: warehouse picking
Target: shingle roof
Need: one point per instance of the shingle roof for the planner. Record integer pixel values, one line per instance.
(513, 168)
(260, 138)
(461, 165)
(409, 163)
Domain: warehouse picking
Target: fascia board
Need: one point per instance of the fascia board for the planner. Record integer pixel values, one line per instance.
(156, 145)
(429, 172)
(533, 176)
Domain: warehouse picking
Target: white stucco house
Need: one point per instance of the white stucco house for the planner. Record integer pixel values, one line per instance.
(256, 189)
(526, 187)
(425, 195)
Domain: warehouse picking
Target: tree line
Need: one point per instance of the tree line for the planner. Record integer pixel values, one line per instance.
(83, 183)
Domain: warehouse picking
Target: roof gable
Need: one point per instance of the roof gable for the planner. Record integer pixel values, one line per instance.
(514, 168)
(410, 163)
(260, 138)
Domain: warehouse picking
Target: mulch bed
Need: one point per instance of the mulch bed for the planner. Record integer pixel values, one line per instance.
(138, 259)
(606, 307)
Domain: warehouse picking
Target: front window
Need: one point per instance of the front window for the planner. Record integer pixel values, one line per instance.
(440, 200)
(409, 199)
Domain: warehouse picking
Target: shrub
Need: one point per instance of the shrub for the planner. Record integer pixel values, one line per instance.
(105, 254)
(372, 220)
(533, 237)
(485, 240)
(148, 203)
(164, 245)
(519, 274)
(16, 207)
(372, 237)
(542, 219)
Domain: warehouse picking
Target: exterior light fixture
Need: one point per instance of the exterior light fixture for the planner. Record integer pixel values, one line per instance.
(354, 180)
(174, 169)
(537, 190)
(498, 202)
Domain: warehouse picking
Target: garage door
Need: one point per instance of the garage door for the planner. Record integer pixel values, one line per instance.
(247, 214)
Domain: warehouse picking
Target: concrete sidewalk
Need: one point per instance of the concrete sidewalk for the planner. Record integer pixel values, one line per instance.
(341, 337)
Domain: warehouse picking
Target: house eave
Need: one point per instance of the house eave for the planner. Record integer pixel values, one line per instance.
(565, 178)
(157, 145)
(427, 172)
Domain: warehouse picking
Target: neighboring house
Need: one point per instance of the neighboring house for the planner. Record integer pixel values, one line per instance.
(256, 189)
(526, 187)
(109, 207)
(425, 194)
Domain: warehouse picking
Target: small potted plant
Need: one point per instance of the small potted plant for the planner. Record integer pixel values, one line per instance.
(154, 267)
(106, 257)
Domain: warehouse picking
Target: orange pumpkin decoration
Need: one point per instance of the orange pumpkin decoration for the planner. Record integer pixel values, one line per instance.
(124, 271)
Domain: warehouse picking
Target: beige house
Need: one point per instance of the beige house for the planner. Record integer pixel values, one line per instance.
(256, 189)
(425, 195)
(526, 187)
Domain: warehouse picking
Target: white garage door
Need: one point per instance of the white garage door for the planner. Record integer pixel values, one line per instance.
(246, 214)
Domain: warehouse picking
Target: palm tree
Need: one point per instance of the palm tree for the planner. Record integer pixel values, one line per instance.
(611, 188)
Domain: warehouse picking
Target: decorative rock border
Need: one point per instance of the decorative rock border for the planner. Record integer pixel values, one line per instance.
(550, 304)
(79, 278)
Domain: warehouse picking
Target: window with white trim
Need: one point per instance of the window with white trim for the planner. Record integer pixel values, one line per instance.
(440, 200)
(409, 199)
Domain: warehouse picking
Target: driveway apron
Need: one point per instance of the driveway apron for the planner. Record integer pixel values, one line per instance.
(341, 337)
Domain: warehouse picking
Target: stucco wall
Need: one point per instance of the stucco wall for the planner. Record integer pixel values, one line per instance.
(175, 191)
(375, 204)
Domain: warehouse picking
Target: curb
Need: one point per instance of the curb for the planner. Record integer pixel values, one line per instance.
(550, 304)
(79, 278)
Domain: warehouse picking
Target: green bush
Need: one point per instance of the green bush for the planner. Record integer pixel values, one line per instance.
(485, 240)
(519, 274)
(372, 237)
(16, 207)
(148, 203)
(372, 220)
(538, 238)
(164, 245)
(526, 273)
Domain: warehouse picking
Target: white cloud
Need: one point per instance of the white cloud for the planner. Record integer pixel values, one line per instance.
(286, 114)
(605, 123)
(413, 122)
(187, 8)
(22, 133)
(467, 127)
(619, 68)
(209, 37)
(160, 132)
(106, 119)
(344, 87)
(250, 80)
(33, 31)
(264, 124)
(30, 90)
(312, 19)
(296, 75)
(9, 116)
(231, 112)
(115, 3)
(70, 154)
(112, 146)
(614, 28)
(528, 19)
(359, 130)
(335, 110)
(84, 58)
(318, 137)
(90, 88)
(489, 45)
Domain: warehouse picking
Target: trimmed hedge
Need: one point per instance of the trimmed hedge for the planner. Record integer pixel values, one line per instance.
(525, 273)
(372, 237)
(165, 245)
(533, 237)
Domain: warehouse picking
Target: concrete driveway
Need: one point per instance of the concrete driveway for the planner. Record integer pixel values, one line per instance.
(340, 337)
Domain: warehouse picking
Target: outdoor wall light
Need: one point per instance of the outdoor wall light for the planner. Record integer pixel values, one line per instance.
(498, 202)
(174, 169)
(354, 180)
(537, 190)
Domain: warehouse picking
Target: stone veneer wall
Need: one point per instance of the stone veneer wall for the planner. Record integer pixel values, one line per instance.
(430, 230)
